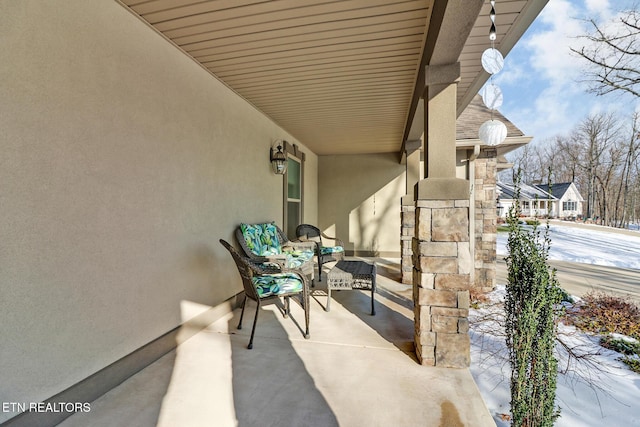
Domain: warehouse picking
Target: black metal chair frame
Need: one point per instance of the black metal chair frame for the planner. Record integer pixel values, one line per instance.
(309, 233)
(249, 269)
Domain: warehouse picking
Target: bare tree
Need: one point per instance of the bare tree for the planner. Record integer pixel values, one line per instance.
(536, 159)
(612, 53)
(593, 141)
(523, 163)
(565, 160)
(601, 156)
(607, 171)
(622, 208)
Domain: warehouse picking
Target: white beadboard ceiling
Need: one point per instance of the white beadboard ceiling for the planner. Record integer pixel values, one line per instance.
(337, 75)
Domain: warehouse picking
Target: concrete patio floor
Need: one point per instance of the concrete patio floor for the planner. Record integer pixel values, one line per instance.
(355, 370)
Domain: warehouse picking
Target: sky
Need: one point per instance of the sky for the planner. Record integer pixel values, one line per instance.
(607, 396)
(540, 79)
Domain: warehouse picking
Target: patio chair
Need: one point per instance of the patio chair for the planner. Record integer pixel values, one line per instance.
(266, 242)
(307, 232)
(261, 282)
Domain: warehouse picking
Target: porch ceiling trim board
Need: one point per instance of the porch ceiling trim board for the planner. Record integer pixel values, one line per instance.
(444, 41)
(340, 76)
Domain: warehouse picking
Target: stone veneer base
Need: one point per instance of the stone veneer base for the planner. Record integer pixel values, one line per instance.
(442, 266)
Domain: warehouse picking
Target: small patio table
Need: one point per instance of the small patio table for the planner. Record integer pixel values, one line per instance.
(348, 275)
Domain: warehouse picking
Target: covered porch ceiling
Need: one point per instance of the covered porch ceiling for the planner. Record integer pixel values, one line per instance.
(343, 77)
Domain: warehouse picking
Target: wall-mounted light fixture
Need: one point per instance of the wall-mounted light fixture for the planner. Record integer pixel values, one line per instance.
(278, 158)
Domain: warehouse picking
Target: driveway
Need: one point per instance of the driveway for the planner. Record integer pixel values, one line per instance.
(578, 279)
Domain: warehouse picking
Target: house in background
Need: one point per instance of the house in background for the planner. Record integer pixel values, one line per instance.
(563, 201)
(534, 202)
(569, 201)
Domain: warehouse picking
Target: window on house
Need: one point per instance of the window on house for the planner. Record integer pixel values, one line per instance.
(293, 196)
(570, 206)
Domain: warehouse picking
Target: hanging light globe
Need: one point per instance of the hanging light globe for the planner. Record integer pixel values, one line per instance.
(492, 60)
(492, 96)
(492, 132)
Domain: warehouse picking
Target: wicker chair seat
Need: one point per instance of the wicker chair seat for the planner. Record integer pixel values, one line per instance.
(324, 254)
(277, 284)
(295, 259)
(261, 282)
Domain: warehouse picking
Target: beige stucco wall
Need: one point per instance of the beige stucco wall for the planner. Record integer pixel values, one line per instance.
(359, 201)
(122, 162)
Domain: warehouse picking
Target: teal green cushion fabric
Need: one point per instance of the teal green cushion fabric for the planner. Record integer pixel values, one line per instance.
(262, 239)
(331, 249)
(295, 258)
(277, 284)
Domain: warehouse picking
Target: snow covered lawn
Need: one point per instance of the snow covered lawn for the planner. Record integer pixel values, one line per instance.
(601, 392)
(592, 245)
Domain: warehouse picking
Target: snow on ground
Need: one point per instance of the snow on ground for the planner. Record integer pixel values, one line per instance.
(602, 393)
(588, 246)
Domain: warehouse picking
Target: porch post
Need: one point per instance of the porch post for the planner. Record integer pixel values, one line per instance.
(486, 219)
(408, 209)
(441, 246)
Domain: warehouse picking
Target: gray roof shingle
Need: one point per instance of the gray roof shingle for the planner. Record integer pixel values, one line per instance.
(557, 190)
(527, 192)
(475, 115)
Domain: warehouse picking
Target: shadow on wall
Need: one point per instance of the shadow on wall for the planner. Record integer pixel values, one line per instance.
(360, 195)
(376, 221)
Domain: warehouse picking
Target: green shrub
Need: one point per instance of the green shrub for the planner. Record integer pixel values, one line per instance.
(633, 363)
(565, 297)
(533, 222)
(620, 345)
(630, 349)
(532, 296)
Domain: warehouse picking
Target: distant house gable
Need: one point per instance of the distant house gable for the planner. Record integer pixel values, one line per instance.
(560, 190)
(569, 199)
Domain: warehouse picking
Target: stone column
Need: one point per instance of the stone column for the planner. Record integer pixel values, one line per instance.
(485, 220)
(407, 232)
(407, 210)
(441, 246)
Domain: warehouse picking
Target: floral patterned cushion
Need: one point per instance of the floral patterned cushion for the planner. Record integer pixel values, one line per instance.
(262, 239)
(296, 258)
(277, 284)
(331, 249)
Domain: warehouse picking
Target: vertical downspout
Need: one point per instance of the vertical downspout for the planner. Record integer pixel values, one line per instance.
(472, 210)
